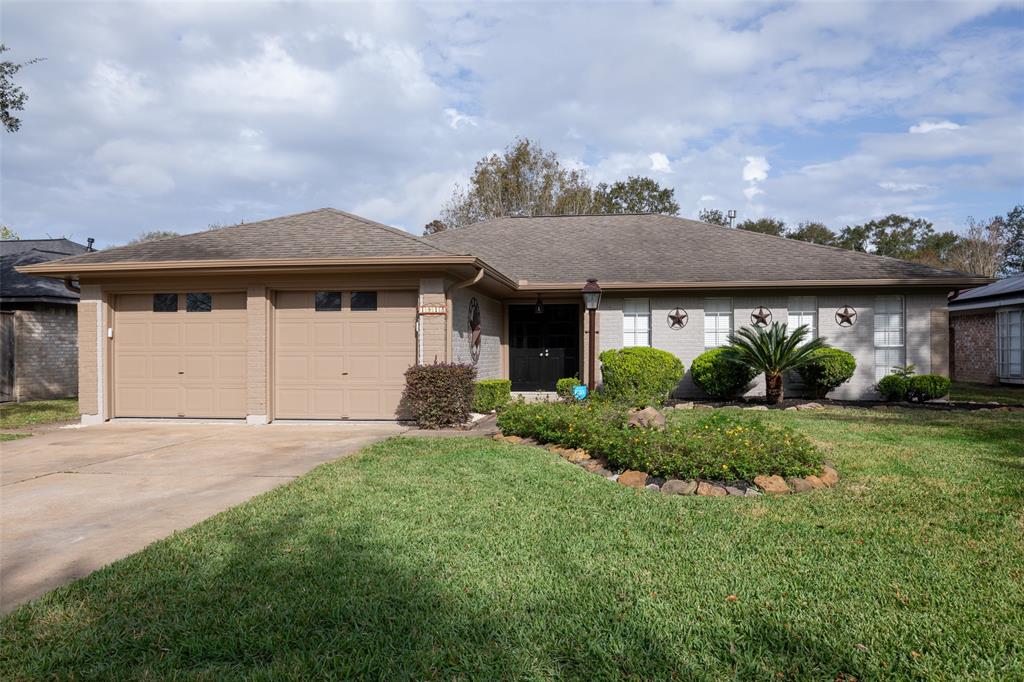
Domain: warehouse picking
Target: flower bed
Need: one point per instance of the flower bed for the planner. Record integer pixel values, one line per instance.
(713, 446)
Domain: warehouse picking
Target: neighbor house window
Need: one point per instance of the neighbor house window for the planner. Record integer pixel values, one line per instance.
(889, 337)
(636, 322)
(198, 303)
(165, 303)
(803, 310)
(364, 300)
(1010, 344)
(328, 301)
(717, 322)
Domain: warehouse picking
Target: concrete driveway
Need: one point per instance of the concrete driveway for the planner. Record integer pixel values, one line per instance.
(75, 499)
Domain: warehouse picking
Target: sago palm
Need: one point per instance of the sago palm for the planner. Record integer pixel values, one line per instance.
(773, 352)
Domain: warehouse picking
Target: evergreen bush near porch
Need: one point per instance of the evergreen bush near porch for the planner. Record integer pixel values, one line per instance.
(719, 378)
(827, 370)
(491, 394)
(639, 375)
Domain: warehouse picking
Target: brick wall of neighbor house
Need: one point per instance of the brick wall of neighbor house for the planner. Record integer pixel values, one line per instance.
(433, 328)
(688, 343)
(974, 346)
(46, 352)
(488, 366)
(89, 366)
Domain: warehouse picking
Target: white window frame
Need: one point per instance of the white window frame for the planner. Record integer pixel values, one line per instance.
(1010, 359)
(718, 320)
(636, 322)
(803, 310)
(890, 339)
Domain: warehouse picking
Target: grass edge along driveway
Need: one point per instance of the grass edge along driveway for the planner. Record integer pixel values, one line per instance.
(441, 558)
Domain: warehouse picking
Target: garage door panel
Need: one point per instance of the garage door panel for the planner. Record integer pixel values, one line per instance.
(170, 364)
(356, 359)
(231, 334)
(291, 334)
(327, 334)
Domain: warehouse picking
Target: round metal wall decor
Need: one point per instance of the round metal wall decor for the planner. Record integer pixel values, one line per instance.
(678, 318)
(846, 316)
(474, 330)
(761, 316)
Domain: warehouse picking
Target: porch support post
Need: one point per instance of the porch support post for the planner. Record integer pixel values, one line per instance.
(592, 352)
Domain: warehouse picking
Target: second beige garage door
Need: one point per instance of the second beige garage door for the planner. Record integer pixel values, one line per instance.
(342, 354)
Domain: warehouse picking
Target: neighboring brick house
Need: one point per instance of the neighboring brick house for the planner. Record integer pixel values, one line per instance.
(986, 326)
(38, 323)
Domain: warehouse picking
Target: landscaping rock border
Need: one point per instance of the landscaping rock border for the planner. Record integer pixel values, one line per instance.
(641, 480)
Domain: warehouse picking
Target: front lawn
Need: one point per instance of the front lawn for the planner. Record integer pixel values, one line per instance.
(984, 393)
(37, 412)
(465, 558)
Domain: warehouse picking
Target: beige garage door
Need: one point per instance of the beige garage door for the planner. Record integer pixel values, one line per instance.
(342, 354)
(180, 354)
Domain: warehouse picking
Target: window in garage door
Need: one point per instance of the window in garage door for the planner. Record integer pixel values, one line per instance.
(180, 354)
(342, 355)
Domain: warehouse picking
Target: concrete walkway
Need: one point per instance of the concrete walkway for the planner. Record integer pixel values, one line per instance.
(75, 499)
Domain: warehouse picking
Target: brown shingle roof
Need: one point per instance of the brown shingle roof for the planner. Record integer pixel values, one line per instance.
(656, 248)
(323, 233)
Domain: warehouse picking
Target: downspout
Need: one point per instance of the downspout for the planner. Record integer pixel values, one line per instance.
(449, 327)
(71, 287)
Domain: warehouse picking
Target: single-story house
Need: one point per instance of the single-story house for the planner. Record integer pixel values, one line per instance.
(317, 315)
(987, 329)
(38, 317)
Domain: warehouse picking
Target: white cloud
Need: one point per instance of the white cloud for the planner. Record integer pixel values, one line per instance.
(903, 186)
(455, 119)
(142, 179)
(707, 197)
(932, 126)
(756, 169)
(660, 163)
(751, 192)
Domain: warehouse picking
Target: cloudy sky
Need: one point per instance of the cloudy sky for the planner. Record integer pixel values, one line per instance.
(174, 116)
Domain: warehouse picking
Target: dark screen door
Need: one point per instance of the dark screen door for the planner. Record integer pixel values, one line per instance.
(543, 347)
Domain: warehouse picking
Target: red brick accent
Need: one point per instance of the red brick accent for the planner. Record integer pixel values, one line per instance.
(974, 346)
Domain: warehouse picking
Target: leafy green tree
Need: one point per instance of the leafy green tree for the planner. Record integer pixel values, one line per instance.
(854, 238)
(635, 195)
(770, 226)
(525, 180)
(813, 232)
(154, 235)
(936, 249)
(12, 96)
(898, 236)
(773, 352)
(434, 226)
(7, 233)
(713, 216)
(1013, 250)
(982, 249)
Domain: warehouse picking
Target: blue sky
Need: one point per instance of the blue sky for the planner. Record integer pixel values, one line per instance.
(177, 115)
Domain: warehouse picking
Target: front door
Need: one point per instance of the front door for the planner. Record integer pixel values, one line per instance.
(543, 347)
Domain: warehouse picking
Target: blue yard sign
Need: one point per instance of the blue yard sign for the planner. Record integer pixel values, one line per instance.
(579, 392)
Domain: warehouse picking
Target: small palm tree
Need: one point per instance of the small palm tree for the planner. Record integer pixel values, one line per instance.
(773, 352)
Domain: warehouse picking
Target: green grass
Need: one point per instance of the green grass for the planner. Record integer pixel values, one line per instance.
(983, 393)
(464, 558)
(13, 436)
(37, 412)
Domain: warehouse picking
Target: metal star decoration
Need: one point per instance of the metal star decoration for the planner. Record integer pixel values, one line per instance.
(846, 316)
(761, 316)
(677, 319)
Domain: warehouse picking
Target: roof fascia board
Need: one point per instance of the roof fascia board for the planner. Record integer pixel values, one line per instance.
(944, 282)
(982, 305)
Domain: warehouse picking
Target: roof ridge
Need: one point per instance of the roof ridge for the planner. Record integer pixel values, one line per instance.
(397, 231)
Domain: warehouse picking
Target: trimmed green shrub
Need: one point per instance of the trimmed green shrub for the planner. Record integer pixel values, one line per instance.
(715, 445)
(439, 395)
(828, 369)
(639, 375)
(924, 387)
(491, 394)
(893, 387)
(564, 387)
(718, 377)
